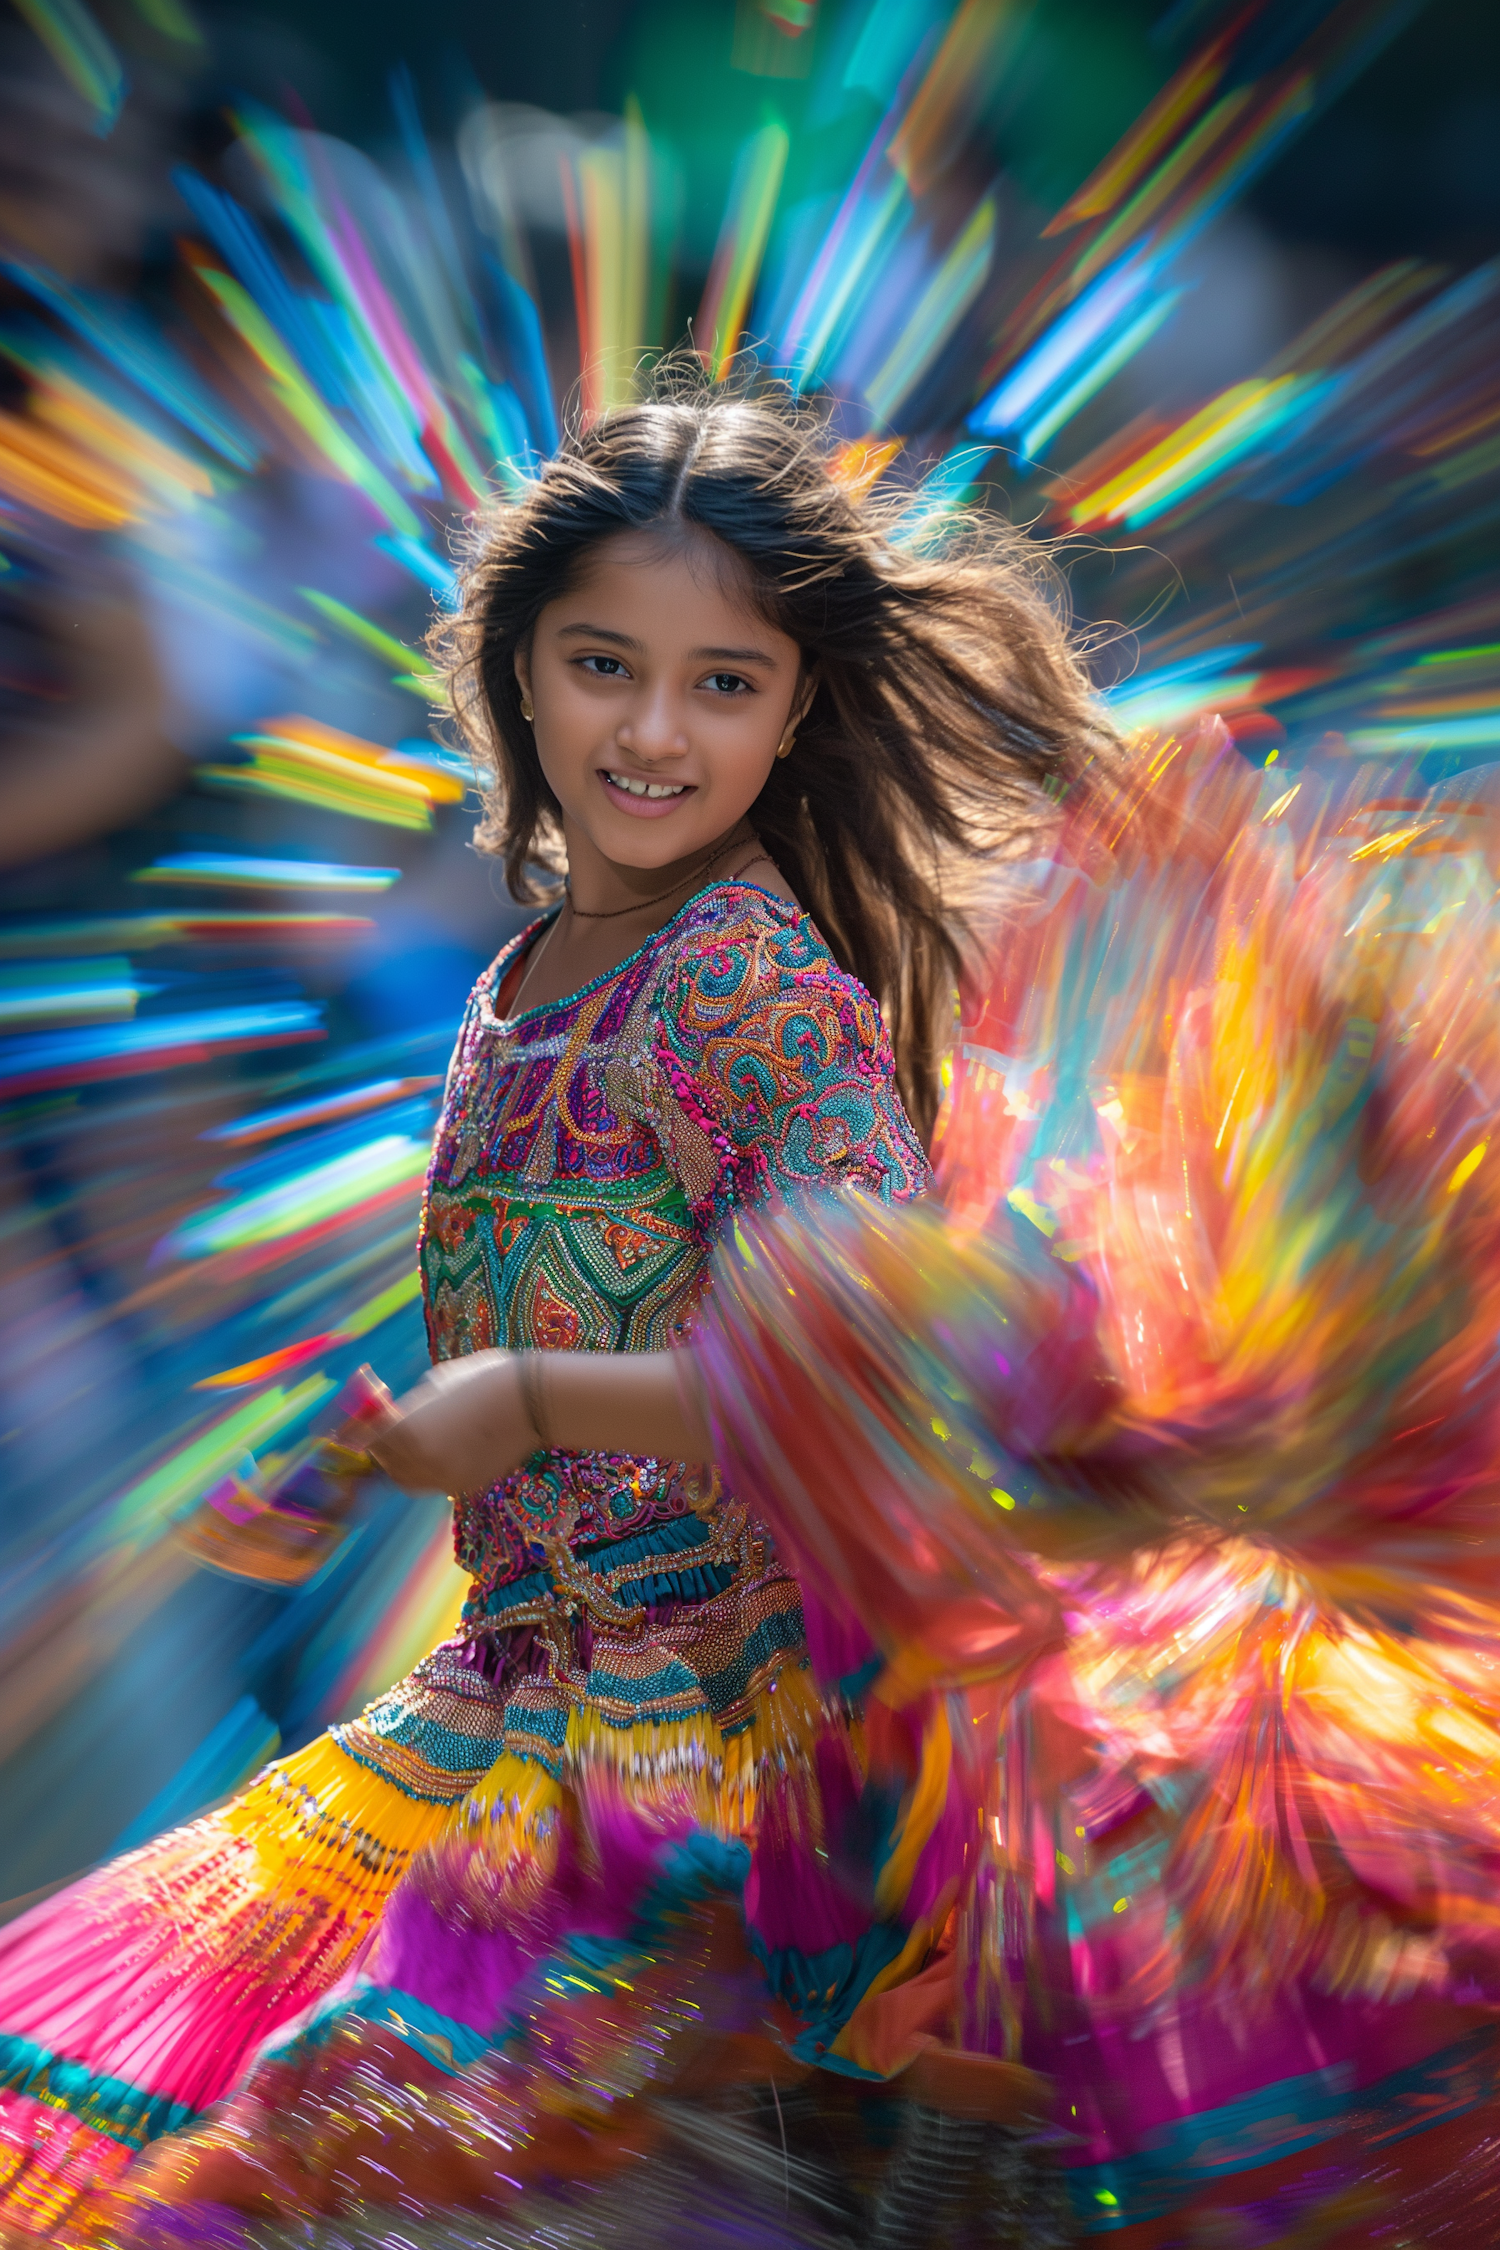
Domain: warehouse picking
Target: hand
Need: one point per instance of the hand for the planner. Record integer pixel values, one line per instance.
(461, 1429)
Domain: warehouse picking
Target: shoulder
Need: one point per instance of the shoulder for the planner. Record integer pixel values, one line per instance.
(778, 1051)
(740, 949)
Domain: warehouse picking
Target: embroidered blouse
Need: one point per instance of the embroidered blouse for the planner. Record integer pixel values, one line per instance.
(588, 1153)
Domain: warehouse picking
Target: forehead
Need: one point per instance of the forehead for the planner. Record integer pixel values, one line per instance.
(676, 569)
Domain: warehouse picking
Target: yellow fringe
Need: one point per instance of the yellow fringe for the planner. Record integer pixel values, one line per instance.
(720, 1779)
(516, 1790)
(322, 1818)
(919, 1813)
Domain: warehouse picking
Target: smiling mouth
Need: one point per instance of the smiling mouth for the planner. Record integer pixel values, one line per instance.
(654, 789)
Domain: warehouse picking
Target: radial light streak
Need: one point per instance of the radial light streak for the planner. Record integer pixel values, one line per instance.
(1207, 443)
(1038, 435)
(361, 1323)
(303, 408)
(236, 871)
(109, 445)
(1179, 167)
(293, 1117)
(1160, 124)
(307, 1199)
(99, 991)
(86, 58)
(311, 764)
(144, 932)
(42, 469)
(1109, 308)
(811, 321)
(438, 576)
(1477, 731)
(614, 187)
(188, 1471)
(940, 308)
(72, 1058)
(411, 670)
(121, 337)
(741, 246)
(953, 91)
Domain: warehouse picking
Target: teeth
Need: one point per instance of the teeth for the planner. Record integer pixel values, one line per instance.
(647, 788)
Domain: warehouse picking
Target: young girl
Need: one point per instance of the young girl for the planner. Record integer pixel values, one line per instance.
(637, 1828)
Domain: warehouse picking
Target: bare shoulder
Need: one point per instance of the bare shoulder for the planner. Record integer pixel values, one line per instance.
(762, 871)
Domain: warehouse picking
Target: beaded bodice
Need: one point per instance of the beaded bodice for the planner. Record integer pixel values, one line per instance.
(588, 1153)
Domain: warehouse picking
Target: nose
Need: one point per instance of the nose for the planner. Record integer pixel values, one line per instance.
(652, 729)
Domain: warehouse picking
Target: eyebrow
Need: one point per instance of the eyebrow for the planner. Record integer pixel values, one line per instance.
(597, 633)
(586, 632)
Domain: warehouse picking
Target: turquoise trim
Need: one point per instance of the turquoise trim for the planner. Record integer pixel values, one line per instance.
(441, 2039)
(672, 1537)
(112, 2106)
(507, 957)
(666, 1697)
(777, 1635)
(403, 1788)
(678, 1535)
(544, 1722)
(499, 1599)
(676, 1586)
(1280, 2120)
(700, 1866)
(826, 1988)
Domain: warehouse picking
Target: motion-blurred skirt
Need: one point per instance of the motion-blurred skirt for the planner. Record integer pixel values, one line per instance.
(518, 1828)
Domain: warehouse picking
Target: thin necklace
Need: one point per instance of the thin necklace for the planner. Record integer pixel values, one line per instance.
(641, 905)
(535, 962)
(515, 1005)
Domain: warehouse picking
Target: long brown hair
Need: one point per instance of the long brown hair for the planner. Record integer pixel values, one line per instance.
(949, 701)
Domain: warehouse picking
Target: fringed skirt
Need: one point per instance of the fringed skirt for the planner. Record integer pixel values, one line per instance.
(540, 1866)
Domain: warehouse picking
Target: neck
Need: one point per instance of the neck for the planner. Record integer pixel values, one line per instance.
(599, 886)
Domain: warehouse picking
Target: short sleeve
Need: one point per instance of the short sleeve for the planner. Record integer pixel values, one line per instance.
(781, 1059)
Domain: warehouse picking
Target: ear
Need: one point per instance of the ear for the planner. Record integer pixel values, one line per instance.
(523, 669)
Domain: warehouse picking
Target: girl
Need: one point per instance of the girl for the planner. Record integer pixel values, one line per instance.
(641, 1806)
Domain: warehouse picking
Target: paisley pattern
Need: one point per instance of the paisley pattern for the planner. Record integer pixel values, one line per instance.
(630, 1682)
(589, 1152)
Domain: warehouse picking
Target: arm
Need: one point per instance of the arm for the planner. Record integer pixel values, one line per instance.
(472, 1420)
(783, 1074)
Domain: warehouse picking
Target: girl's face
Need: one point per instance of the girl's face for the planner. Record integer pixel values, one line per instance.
(660, 697)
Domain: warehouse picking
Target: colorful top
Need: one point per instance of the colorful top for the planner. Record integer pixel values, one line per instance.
(588, 1154)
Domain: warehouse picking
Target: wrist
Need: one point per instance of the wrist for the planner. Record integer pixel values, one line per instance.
(530, 1370)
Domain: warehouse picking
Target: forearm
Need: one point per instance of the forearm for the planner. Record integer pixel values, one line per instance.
(472, 1420)
(621, 1402)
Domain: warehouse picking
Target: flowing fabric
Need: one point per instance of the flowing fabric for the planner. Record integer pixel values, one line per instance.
(1200, 1361)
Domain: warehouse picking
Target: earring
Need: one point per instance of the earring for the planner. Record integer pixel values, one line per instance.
(784, 746)
(528, 712)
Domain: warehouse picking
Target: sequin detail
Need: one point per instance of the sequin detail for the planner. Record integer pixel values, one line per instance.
(589, 1153)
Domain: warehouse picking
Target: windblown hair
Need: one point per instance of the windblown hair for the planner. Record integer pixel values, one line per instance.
(950, 704)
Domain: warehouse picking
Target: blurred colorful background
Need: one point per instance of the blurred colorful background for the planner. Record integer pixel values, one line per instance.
(1211, 294)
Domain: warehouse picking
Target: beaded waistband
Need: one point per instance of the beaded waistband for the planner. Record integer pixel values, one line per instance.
(617, 1581)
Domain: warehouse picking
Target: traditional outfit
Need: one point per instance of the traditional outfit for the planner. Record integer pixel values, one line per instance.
(1086, 1681)
(626, 1718)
